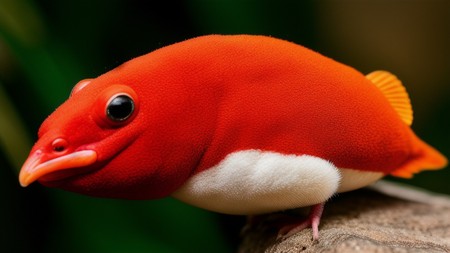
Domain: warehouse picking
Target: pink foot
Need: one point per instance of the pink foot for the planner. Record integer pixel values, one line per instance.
(313, 220)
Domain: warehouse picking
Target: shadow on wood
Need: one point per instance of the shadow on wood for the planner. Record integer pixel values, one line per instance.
(383, 218)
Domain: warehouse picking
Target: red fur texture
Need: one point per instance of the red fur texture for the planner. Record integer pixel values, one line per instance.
(204, 98)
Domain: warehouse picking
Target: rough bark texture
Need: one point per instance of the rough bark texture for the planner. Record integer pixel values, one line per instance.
(383, 218)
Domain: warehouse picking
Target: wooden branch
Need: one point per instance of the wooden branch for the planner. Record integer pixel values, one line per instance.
(383, 218)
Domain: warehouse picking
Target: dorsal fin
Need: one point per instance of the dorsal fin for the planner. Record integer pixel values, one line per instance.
(394, 92)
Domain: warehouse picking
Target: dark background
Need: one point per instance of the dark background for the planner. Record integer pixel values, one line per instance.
(46, 46)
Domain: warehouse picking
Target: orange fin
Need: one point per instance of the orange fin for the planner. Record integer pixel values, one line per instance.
(425, 158)
(394, 92)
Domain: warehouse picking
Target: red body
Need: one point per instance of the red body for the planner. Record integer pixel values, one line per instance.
(204, 98)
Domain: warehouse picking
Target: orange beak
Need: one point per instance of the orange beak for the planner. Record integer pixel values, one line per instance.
(35, 167)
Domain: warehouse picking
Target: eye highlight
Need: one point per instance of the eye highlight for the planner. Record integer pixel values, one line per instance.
(120, 108)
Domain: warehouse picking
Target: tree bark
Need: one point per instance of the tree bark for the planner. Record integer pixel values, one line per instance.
(382, 218)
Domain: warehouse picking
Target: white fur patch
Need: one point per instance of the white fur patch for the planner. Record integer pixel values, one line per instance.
(254, 181)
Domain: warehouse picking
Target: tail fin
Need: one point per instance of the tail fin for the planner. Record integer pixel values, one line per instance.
(424, 157)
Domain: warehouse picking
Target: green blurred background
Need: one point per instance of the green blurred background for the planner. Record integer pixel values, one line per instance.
(46, 46)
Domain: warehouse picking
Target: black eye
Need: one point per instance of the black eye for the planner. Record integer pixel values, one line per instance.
(120, 108)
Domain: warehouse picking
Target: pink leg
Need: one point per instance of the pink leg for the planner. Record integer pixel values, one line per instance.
(313, 220)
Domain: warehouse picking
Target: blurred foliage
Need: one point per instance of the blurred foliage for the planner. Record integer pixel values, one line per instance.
(46, 46)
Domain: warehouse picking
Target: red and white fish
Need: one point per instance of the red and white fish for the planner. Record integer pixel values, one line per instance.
(235, 124)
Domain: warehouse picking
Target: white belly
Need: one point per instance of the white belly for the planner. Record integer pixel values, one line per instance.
(355, 179)
(255, 181)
